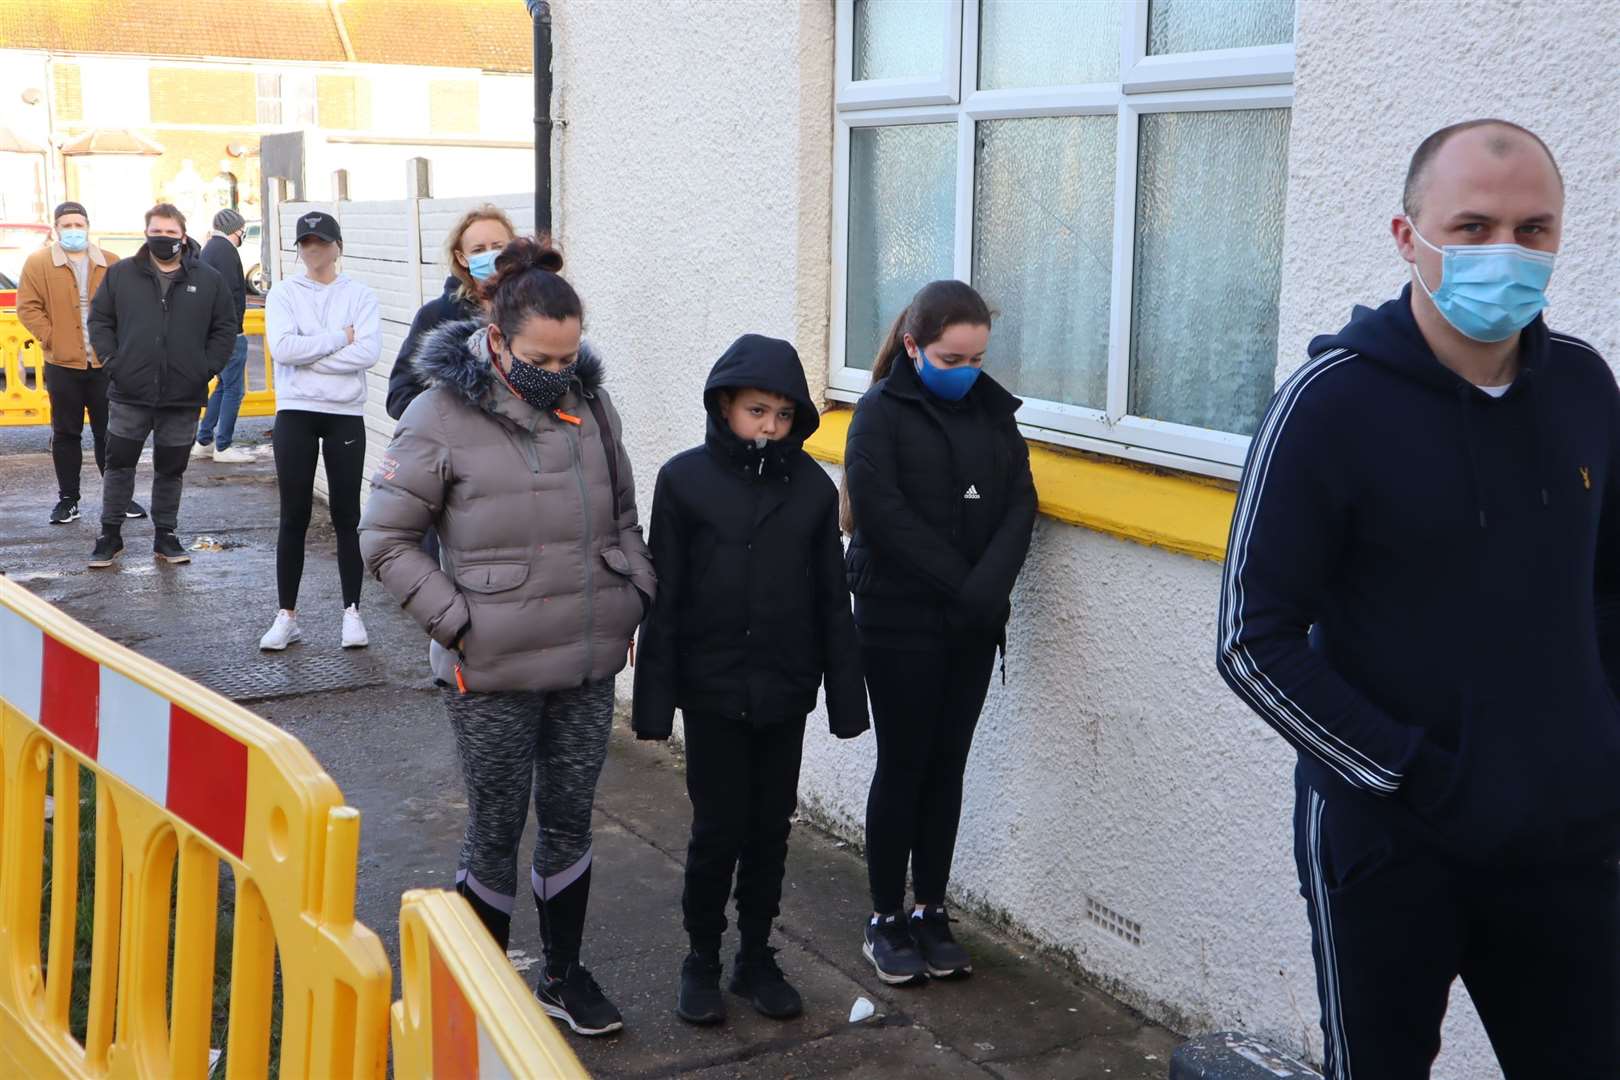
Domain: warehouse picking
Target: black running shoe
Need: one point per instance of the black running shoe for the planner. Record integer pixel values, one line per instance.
(931, 930)
(757, 976)
(700, 1001)
(66, 510)
(108, 548)
(134, 510)
(166, 546)
(577, 1001)
(892, 952)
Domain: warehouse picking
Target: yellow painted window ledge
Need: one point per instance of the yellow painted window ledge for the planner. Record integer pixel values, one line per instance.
(1185, 514)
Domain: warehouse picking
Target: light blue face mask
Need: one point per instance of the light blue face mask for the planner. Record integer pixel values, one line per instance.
(74, 239)
(950, 384)
(482, 265)
(1489, 292)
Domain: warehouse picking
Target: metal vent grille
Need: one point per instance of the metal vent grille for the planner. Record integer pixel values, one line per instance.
(289, 676)
(1112, 921)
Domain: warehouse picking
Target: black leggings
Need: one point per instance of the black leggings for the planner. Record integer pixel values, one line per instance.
(300, 437)
(925, 705)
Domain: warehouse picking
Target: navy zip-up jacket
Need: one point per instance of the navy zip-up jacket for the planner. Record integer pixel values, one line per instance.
(1422, 590)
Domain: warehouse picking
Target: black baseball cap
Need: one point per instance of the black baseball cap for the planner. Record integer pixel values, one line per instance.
(318, 224)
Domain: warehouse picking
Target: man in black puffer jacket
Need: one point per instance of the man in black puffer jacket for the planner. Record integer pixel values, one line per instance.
(164, 324)
(752, 613)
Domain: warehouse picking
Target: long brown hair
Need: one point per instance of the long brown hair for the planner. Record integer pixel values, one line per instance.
(937, 307)
(452, 244)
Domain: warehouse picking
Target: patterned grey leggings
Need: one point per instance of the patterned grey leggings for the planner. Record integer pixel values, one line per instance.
(508, 741)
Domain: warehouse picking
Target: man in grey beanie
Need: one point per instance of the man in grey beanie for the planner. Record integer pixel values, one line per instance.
(219, 421)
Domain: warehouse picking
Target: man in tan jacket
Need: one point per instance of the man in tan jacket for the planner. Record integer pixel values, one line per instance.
(53, 303)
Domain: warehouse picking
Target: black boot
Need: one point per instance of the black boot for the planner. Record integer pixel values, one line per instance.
(756, 976)
(700, 1001)
(496, 921)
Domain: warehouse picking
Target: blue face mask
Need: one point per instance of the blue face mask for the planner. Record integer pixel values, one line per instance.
(1489, 292)
(482, 265)
(74, 239)
(949, 384)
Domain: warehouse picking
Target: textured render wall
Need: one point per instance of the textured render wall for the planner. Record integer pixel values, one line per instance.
(693, 194)
(1374, 77)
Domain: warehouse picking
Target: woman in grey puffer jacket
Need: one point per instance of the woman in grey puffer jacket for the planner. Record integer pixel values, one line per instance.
(514, 455)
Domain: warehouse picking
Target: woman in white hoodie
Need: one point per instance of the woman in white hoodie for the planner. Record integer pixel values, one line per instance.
(323, 333)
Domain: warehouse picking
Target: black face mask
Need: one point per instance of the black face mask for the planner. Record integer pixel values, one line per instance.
(164, 248)
(540, 388)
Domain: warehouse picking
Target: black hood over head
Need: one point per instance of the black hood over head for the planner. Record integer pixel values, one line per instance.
(761, 363)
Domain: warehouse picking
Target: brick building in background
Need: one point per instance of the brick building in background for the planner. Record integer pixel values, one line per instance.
(118, 103)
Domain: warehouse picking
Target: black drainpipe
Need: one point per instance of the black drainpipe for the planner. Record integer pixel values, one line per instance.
(540, 11)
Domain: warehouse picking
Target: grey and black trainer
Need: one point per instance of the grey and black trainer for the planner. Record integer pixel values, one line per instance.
(578, 1001)
(166, 546)
(108, 547)
(931, 930)
(893, 954)
(66, 510)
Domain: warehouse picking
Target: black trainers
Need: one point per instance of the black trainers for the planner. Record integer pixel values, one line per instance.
(66, 510)
(577, 1001)
(757, 977)
(700, 1001)
(166, 546)
(931, 930)
(892, 952)
(134, 510)
(108, 548)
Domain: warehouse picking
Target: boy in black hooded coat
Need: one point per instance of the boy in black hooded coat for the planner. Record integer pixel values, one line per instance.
(752, 612)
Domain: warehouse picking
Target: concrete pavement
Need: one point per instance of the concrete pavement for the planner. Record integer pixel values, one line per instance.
(374, 721)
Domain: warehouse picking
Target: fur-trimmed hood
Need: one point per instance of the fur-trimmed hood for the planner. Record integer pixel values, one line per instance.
(456, 356)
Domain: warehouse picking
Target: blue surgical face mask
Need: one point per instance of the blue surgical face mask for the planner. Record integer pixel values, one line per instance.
(481, 265)
(74, 239)
(1489, 292)
(950, 384)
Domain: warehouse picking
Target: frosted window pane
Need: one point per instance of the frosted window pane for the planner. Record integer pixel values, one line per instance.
(1048, 42)
(1209, 231)
(900, 38)
(902, 211)
(1043, 229)
(1183, 26)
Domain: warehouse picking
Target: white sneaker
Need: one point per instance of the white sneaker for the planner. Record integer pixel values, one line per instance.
(282, 633)
(234, 455)
(354, 631)
(201, 450)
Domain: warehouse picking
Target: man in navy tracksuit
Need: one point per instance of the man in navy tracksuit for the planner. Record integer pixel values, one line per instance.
(1422, 594)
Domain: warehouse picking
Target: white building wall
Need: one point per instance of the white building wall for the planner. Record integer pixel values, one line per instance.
(1113, 768)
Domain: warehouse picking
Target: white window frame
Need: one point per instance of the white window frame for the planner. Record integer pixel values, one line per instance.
(1227, 79)
(263, 102)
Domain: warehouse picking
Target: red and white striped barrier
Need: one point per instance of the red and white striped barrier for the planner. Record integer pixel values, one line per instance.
(178, 761)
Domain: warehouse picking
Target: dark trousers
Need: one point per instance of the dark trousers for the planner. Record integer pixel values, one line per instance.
(1394, 924)
(744, 785)
(73, 393)
(925, 705)
(300, 439)
(172, 429)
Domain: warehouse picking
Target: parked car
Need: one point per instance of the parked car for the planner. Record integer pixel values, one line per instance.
(257, 283)
(18, 240)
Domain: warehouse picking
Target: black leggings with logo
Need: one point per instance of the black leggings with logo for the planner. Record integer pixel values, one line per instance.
(300, 439)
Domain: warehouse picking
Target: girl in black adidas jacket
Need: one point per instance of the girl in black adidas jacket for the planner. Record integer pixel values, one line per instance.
(941, 506)
(752, 614)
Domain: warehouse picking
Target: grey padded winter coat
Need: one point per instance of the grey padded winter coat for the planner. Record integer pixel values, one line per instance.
(547, 584)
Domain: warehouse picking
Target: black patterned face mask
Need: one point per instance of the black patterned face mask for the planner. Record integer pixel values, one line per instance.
(542, 389)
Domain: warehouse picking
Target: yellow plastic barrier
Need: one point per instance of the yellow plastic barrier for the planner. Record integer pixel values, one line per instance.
(23, 401)
(185, 780)
(464, 1011)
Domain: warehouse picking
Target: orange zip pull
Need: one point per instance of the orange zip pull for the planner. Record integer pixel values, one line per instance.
(461, 684)
(559, 414)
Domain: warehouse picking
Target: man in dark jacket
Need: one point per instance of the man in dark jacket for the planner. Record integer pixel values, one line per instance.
(219, 421)
(752, 613)
(1422, 595)
(163, 324)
